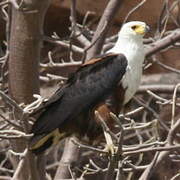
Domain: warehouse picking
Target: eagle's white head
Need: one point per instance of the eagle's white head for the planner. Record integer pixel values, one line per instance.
(134, 29)
(130, 40)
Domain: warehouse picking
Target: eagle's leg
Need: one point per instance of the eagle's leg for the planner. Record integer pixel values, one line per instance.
(103, 119)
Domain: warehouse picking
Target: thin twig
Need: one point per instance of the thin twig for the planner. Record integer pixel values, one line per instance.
(174, 105)
(133, 10)
(10, 101)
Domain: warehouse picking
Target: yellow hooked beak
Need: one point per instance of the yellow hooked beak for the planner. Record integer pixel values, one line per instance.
(141, 30)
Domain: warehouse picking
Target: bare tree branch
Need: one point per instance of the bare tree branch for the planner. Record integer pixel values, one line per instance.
(109, 13)
(163, 43)
(70, 156)
(162, 155)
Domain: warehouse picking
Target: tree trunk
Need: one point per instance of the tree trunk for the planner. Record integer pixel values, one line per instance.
(24, 46)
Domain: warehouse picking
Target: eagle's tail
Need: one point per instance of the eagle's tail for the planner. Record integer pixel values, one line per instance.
(40, 142)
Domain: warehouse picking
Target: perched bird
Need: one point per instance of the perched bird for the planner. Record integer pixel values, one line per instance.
(115, 75)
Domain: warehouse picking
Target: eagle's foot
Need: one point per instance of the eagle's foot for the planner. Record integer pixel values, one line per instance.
(110, 147)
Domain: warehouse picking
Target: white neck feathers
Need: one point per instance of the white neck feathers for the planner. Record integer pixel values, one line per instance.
(132, 48)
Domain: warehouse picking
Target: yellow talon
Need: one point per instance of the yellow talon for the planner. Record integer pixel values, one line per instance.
(109, 144)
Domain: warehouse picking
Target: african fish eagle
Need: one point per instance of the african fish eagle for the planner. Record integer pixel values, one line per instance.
(115, 74)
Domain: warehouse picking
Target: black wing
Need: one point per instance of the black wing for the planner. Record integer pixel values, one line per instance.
(87, 87)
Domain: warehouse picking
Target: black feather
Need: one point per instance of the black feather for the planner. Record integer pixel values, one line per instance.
(88, 86)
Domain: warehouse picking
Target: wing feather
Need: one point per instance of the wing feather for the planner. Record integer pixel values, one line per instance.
(89, 85)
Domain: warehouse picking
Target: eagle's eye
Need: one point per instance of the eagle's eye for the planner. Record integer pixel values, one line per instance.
(134, 27)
